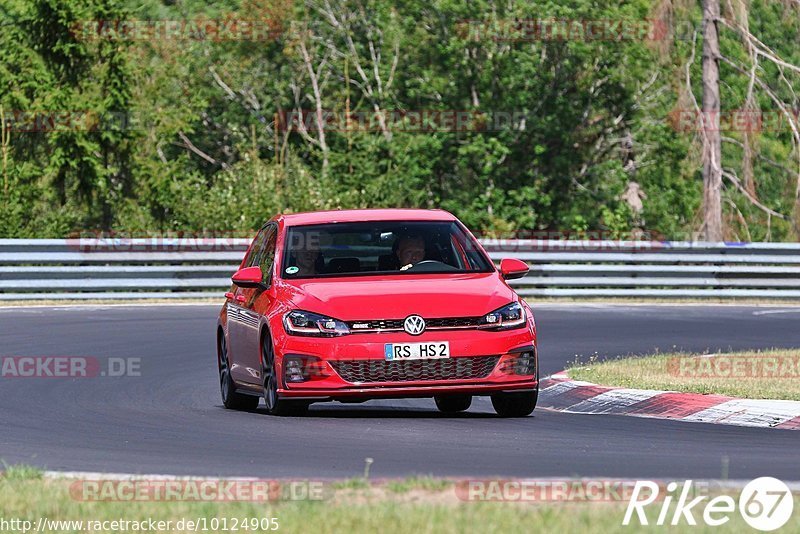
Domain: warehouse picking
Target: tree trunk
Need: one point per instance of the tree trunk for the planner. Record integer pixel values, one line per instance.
(712, 142)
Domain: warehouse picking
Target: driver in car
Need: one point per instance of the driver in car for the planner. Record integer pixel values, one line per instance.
(410, 250)
(307, 260)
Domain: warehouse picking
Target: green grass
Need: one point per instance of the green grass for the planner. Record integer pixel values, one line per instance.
(414, 505)
(356, 483)
(20, 472)
(427, 483)
(768, 374)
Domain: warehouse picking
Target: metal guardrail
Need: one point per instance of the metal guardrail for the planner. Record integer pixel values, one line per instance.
(183, 268)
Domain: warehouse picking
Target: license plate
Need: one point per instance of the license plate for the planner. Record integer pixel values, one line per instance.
(416, 351)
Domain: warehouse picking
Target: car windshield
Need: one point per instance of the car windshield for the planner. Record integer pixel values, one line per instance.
(386, 247)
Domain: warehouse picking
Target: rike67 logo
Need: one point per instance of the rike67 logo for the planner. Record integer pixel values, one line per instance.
(765, 504)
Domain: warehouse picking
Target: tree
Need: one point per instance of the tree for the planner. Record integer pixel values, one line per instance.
(69, 172)
(712, 142)
(764, 70)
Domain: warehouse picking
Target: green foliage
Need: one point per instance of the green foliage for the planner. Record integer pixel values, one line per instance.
(561, 126)
(61, 172)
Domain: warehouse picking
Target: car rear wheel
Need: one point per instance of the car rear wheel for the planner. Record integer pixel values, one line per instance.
(515, 404)
(276, 405)
(453, 403)
(230, 398)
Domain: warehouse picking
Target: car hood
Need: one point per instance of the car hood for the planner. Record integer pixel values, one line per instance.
(398, 296)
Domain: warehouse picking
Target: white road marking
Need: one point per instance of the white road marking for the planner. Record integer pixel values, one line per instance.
(562, 387)
(749, 412)
(614, 399)
(773, 312)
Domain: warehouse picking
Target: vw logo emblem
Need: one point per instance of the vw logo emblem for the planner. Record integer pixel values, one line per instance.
(414, 325)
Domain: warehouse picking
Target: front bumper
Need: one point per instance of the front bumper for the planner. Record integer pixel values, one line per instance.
(406, 392)
(324, 355)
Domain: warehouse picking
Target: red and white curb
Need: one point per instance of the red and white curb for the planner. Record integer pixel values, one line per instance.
(559, 392)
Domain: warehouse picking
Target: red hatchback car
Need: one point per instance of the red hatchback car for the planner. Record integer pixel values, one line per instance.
(364, 304)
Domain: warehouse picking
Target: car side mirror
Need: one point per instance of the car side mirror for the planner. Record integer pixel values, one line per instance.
(512, 268)
(249, 277)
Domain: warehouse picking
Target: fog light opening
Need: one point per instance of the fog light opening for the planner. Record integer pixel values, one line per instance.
(525, 364)
(293, 370)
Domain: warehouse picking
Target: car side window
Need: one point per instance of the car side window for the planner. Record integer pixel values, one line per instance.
(267, 257)
(257, 248)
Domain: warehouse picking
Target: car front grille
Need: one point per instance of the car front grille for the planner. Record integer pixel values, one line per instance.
(444, 323)
(464, 368)
(453, 322)
(390, 324)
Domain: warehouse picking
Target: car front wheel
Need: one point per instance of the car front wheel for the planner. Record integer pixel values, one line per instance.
(276, 405)
(515, 404)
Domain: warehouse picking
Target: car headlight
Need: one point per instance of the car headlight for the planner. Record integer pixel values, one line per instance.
(303, 323)
(509, 316)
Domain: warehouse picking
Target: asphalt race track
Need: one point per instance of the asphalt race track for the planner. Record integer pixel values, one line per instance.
(170, 420)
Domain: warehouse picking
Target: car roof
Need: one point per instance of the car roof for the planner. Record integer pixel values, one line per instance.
(334, 216)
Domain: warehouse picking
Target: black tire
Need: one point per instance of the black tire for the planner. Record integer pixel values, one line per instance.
(515, 404)
(275, 405)
(230, 398)
(453, 403)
